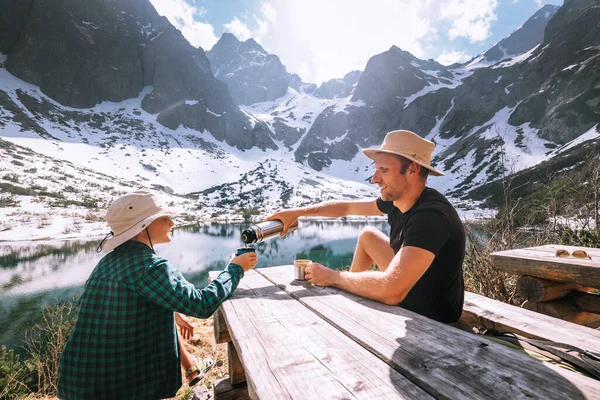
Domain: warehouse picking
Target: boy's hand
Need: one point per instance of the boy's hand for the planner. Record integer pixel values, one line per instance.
(186, 329)
(247, 260)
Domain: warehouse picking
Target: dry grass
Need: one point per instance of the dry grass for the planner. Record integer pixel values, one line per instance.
(203, 345)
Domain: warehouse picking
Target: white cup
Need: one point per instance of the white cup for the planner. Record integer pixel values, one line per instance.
(299, 266)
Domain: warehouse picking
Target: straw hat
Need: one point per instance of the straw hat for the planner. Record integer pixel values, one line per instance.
(132, 213)
(408, 145)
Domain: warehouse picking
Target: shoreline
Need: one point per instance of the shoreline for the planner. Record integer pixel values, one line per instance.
(89, 231)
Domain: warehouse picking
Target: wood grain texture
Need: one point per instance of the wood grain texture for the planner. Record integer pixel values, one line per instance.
(446, 362)
(543, 263)
(220, 328)
(537, 289)
(492, 314)
(565, 310)
(586, 302)
(289, 352)
(237, 374)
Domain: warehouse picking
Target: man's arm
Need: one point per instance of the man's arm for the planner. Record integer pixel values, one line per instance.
(389, 287)
(366, 207)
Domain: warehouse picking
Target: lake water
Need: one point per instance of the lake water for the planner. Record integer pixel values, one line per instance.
(33, 274)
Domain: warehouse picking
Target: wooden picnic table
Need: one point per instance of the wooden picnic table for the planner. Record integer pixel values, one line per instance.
(292, 340)
(542, 262)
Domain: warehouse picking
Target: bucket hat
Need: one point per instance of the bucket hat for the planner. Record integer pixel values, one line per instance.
(408, 145)
(133, 212)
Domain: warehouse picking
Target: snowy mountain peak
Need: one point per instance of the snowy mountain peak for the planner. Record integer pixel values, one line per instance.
(251, 74)
(520, 41)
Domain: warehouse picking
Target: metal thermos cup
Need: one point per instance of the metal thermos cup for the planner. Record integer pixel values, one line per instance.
(299, 266)
(242, 250)
(265, 230)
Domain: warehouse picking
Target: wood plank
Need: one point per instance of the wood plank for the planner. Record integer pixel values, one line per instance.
(537, 289)
(586, 302)
(289, 352)
(446, 362)
(237, 374)
(492, 314)
(542, 262)
(220, 327)
(565, 310)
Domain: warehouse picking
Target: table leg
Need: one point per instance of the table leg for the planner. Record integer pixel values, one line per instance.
(236, 368)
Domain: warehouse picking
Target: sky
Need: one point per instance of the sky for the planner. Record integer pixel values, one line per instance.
(325, 39)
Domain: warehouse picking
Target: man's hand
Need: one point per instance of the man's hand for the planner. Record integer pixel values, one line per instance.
(186, 329)
(247, 260)
(319, 275)
(288, 217)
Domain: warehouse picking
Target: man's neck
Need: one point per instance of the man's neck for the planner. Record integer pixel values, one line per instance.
(410, 198)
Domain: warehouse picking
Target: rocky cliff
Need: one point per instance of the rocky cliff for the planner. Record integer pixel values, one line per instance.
(251, 74)
(81, 54)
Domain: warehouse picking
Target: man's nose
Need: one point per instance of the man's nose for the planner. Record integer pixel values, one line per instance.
(375, 178)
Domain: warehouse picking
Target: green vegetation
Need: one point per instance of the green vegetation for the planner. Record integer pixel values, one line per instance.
(247, 213)
(586, 238)
(9, 201)
(37, 371)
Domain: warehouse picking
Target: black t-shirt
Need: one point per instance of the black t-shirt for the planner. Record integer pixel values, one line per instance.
(434, 225)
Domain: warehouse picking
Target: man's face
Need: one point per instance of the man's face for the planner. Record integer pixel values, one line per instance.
(392, 184)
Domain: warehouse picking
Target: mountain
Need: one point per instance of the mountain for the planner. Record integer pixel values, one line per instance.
(523, 39)
(251, 74)
(138, 105)
(508, 115)
(104, 97)
(81, 54)
(334, 88)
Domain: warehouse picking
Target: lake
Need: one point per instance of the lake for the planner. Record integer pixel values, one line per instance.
(34, 274)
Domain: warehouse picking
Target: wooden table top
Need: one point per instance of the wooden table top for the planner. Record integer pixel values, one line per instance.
(542, 262)
(298, 341)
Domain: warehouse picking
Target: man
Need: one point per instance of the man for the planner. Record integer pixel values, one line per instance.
(420, 264)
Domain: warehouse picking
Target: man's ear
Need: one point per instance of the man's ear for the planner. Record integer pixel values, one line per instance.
(415, 168)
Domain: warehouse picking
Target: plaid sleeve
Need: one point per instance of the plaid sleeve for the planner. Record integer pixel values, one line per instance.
(164, 285)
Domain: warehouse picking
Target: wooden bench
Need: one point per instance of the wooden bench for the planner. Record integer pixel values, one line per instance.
(561, 287)
(492, 314)
(297, 341)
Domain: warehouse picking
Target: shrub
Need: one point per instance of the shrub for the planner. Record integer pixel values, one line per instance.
(587, 238)
(17, 377)
(247, 213)
(18, 190)
(11, 177)
(44, 343)
(9, 201)
(37, 372)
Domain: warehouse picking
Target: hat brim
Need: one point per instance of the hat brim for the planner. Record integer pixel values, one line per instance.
(371, 153)
(130, 233)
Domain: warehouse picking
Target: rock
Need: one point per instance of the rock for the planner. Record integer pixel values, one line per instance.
(335, 88)
(251, 74)
(81, 54)
(200, 393)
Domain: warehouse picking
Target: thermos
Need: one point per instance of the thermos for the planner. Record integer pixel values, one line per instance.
(265, 230)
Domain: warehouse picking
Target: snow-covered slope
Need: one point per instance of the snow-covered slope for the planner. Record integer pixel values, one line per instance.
(92, 155)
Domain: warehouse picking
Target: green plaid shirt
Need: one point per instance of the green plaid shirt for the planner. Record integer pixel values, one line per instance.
(125, 344)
